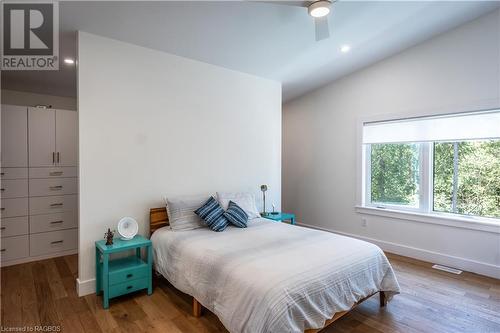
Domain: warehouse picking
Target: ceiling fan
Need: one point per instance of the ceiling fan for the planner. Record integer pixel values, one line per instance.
(318, 10)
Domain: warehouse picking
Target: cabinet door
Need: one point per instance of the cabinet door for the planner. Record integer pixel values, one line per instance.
(42, 139)
(66, 138)
(14, 136)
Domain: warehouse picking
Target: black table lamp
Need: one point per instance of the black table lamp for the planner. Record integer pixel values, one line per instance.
(263, 188)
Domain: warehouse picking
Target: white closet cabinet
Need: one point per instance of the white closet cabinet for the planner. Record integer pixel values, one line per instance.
(39, 184)
(53, 137)
(66, 138)
(14, 136)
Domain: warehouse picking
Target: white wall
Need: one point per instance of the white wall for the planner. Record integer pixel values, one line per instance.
(155, 124)
(456, 71)
(14, 97)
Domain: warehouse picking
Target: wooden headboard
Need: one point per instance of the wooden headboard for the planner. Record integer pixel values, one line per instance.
(158, 218)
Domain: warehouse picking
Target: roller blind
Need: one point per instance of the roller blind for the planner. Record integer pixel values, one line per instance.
(455, 127)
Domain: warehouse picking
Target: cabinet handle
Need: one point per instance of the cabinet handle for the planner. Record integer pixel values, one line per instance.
(3, 208)
(56, 242)
(55, 173)
(3, 250)
(2, 189)
(53, 157)
(129, 276)
(129, 287)
(56, 222)
(2, 173)
(2, 228)
(58, 187)
(58, 157)
(56, 204)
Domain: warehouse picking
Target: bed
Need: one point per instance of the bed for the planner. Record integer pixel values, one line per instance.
(270, 276)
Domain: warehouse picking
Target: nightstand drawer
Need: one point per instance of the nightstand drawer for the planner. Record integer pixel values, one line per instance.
(127, 287)
(125, 275)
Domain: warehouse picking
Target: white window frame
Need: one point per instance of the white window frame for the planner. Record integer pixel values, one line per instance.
(425, 212)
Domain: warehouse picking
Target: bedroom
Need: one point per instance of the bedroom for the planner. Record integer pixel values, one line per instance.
(183, 101)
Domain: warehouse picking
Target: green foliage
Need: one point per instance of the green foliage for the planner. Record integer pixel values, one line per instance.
(395, 176)
(478, 191)
(395, 173)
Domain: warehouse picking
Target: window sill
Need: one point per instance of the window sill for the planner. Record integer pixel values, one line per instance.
(471, 223)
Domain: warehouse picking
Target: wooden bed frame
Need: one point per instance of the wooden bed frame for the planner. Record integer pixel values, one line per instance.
(158, 218)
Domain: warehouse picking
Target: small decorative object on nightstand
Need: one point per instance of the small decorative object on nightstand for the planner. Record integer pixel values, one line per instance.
(108, 236)
(124, 275)
(280, 217)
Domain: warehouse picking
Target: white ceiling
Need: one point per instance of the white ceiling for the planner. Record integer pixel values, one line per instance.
(270, 40)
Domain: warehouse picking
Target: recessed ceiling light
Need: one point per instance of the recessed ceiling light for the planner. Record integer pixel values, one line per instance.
(69, 61)
(345, 48)
(319, 8)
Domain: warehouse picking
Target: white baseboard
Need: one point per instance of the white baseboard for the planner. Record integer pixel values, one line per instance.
(425, 255)
(85, 287)
(37, 258)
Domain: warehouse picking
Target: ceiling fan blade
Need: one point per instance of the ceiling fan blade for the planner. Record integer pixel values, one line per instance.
(321, 28)
(297, 3)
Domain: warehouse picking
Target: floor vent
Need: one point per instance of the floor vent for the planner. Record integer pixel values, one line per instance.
(447, 269)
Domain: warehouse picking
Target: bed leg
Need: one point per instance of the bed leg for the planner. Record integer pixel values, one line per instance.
(383, 299)
(196, 308)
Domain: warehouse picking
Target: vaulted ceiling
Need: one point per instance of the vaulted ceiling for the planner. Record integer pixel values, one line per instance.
(270, 40)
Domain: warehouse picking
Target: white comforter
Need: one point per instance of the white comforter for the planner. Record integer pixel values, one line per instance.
(272, 277)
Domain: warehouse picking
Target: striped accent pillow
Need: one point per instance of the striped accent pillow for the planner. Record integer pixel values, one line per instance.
(212, 213)
(236, 215)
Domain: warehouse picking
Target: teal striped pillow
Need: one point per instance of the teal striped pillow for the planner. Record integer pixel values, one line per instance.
(236, 215)
(212, 213)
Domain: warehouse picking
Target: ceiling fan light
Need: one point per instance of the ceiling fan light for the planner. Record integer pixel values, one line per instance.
(319, 8)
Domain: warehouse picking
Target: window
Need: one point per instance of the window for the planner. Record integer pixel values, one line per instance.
(395, 174)
(447, 164)
(467, 177)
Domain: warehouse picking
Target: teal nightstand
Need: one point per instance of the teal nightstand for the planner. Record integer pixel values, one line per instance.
(280, 217)
(122, 276)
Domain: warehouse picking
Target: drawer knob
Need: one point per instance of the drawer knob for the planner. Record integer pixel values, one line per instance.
(2, 189)
(129, 276)
(3, 208)
(2, 228)
(3, 250)
(56, 242)
(56, 204)
(2, 173)
(129, 287)
(55, 173)
(56, 222)
(58, 187)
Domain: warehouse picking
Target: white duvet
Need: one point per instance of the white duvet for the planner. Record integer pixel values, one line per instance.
(272, 277)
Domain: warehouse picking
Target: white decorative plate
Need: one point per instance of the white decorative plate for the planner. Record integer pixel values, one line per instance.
(127, 228)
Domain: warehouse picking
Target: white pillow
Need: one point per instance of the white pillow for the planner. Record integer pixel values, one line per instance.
(245, 200)
(181, 213)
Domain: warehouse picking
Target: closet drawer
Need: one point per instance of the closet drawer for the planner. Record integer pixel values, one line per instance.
(51, 222)
(14, 188)
(14, 173)
(15, 248)
(14, 207)
(53, 204)
(54, 172)
(54, 241)
(14, 226)
(60, 186)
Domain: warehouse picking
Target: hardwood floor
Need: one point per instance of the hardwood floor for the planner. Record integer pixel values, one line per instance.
(43, 293)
